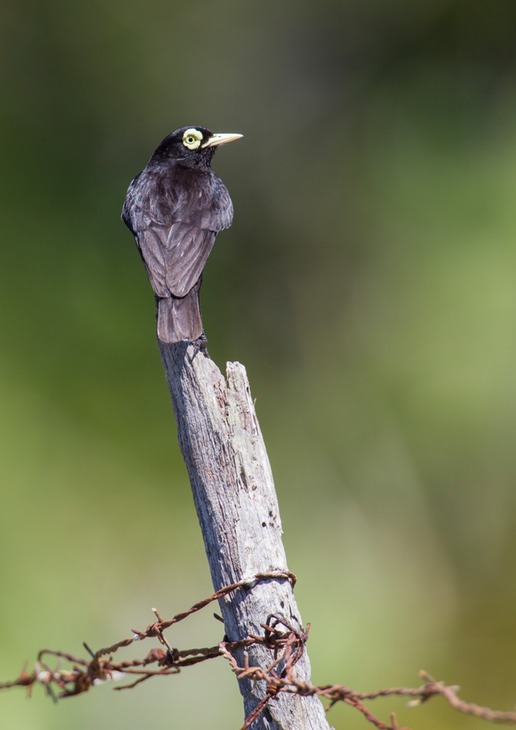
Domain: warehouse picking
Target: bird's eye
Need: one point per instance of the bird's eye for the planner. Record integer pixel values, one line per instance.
(192, 139)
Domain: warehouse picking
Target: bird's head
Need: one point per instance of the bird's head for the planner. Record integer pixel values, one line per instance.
(193, 146)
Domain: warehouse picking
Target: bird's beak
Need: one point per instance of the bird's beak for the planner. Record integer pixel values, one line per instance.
(217, 139)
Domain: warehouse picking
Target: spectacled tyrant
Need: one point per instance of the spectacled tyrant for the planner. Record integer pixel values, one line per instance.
(175, 207)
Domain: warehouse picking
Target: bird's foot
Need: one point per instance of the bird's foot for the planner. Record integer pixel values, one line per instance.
(201, 344)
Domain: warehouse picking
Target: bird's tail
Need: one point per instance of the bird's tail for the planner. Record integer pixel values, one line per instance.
(180, 318)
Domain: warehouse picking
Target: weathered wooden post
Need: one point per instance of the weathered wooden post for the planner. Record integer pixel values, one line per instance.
(236, 503)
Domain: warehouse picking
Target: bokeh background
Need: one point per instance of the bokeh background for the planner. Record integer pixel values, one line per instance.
(368, 284)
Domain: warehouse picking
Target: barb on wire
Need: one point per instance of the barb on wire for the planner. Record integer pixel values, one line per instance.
(285, 643)
(101, 668)
(288, 682)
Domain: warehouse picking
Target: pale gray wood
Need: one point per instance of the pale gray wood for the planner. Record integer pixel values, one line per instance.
(236, 503)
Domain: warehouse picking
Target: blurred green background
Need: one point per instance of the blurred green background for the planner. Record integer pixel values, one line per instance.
(368, 285)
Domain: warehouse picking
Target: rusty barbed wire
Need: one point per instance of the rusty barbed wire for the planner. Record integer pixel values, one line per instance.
(285, 642)
(101, 668)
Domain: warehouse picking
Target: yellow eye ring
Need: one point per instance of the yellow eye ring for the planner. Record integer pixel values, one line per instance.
(192, 139)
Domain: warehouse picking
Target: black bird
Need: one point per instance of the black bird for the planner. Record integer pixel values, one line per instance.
(175, 207)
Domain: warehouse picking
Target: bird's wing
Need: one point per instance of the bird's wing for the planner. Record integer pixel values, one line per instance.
(175, 257)
(214, 209)
(175, 227)
(151, 245)
(188, 248)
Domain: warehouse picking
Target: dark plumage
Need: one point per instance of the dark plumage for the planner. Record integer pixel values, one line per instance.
(175, 207)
